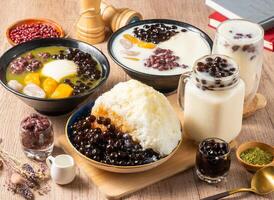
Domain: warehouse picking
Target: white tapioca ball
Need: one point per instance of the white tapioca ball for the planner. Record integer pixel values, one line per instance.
(34, 91)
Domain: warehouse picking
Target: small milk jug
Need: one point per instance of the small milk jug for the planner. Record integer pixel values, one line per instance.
(62, 168)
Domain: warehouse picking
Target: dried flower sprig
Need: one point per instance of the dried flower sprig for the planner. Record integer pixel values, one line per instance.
(32, 176)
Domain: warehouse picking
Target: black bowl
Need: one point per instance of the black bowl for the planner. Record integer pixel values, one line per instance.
(52, 106)
(163, 83)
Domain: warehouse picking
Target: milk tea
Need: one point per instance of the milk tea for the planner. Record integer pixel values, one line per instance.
(213, 99)
(242, 41)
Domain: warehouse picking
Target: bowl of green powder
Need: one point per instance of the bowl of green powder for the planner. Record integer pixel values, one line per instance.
(255, 155)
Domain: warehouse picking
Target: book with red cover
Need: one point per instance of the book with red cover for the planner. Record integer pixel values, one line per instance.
(216, 18)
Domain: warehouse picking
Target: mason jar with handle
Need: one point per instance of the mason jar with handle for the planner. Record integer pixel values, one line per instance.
(212, 98)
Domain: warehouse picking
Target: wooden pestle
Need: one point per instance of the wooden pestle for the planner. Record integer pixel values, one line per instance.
(117, 18)
(91, 27)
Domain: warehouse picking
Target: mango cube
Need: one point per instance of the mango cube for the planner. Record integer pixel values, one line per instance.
(62, 91)
(49, 86)
(32, 78)
(131, 38)
(147, 45)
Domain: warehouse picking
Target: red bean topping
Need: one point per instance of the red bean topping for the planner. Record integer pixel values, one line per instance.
(35, 123)
(163, 59)
(36, 132)
(27, 32)
(25, 63)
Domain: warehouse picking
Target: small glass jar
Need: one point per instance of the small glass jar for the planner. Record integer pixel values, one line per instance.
(242, 41)
(213, 160)
(37, 138)
(212, 99)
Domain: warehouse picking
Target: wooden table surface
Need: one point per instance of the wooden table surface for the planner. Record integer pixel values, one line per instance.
(259, 127)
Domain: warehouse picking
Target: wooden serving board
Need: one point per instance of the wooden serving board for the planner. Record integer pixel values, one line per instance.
(115, 185)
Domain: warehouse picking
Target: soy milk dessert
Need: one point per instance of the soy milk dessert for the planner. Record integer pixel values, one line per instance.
(243, 41)
(160, 49)
(213, 99)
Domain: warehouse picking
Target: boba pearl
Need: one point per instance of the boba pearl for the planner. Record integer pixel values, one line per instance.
(108, 145)
(217, 67)
(156, 33)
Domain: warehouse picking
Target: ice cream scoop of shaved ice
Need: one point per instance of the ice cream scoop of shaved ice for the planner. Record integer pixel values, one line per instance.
(144, 113)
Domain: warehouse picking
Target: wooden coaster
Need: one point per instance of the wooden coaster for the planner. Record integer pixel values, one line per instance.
(259, 102)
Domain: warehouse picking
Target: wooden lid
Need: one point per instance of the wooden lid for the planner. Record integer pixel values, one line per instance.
(124, 17)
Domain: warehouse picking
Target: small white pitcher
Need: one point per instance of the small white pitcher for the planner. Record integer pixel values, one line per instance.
(62, 168)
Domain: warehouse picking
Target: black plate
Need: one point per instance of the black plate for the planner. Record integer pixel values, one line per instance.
(163, 83)
(52, 106)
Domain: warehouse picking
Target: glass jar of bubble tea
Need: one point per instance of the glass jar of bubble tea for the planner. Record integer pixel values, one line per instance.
(242, 41)
(37, 139)
(212, 97)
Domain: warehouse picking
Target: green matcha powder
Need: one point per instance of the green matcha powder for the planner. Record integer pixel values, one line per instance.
(256, 156)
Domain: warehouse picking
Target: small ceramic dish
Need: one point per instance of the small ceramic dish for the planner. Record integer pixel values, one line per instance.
(33, 21)
(248, 145)
(85, 111)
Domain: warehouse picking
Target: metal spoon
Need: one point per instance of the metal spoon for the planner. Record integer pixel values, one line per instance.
(262, 183)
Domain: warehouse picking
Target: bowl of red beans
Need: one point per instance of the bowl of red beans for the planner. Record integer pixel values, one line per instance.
(31, 29)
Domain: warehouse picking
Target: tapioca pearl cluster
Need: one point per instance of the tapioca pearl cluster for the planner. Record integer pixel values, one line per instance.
(216, 67)
(156, 33)
(108, 145)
